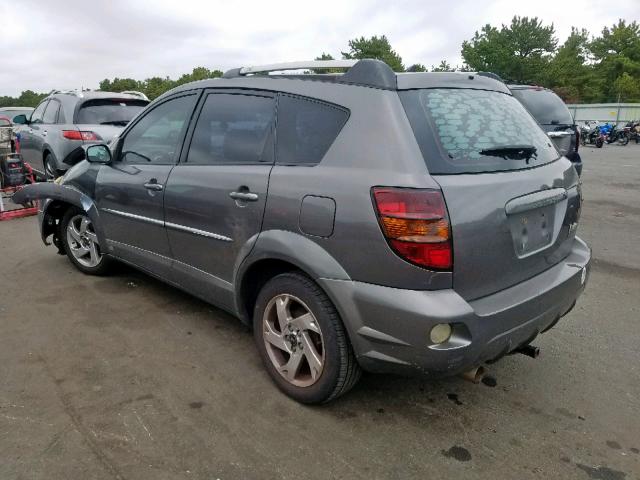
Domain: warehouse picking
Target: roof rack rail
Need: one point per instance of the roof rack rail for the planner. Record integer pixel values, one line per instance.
(66, 92)
(366, 72)
(495, 76)
(135, 93)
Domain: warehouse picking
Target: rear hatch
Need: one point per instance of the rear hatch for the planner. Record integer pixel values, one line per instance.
(513, 203)
(106, 117)
(552, 114)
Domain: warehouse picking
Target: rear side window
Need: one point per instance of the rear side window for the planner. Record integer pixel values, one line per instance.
(36, 115)
(233, 129)
(475, 131)
(109, 111)
(306, 129)
(544, 105)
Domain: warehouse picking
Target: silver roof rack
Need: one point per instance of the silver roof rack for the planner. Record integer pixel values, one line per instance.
(75, 93)
(308, 65)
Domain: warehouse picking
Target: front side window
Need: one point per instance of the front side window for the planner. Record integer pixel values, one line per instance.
(157, 137)
(233, 129)
(36, 115)
(476, 131)
(306, 129)
(51, 113)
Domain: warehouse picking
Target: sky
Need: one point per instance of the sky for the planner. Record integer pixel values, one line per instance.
(67, 44)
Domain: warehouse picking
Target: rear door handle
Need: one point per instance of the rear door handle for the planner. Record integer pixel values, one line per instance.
(155, 186)
(244, 196)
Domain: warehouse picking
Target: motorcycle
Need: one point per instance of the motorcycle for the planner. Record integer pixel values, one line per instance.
(591, 135)
(614, 134)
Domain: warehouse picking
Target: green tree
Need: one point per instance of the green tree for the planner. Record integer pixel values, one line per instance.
(444, 66)
(517, 52)
(374, 47)
(417, 67)
(616, 52)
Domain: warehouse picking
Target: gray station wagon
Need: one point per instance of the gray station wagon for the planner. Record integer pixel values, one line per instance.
(408, 223)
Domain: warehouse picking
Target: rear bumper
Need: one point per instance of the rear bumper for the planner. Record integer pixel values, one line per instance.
(389, 328)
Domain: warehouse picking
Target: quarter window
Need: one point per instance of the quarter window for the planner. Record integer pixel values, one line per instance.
(306, 129)
(233, 129)
(157, 137)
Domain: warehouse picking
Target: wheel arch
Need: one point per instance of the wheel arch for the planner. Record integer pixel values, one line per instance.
(277, 252)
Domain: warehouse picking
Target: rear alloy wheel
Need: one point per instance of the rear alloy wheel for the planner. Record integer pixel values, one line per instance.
(81, 244)
(302, 341)
(50, 171)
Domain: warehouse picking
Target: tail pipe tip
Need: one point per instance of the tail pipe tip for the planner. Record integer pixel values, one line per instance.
(528, 350)
(474, 375)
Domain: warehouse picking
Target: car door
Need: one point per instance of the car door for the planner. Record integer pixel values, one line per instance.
(130, 191)
(27, 137)
(215, 197)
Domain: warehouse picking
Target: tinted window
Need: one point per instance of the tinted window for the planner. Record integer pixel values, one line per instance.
(111, 111)
(475, 131)
(544, 105)
(36, 115)
(306, 129)
(51, 113)
(157, 136)
(233, 129)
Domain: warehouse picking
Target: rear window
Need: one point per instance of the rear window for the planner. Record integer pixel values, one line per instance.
(544, 105)
(110, 111)
(475, 131)
(306, 129)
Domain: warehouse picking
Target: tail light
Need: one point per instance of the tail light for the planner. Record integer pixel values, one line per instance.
(79, 135)
(577, 138)
(416, 225)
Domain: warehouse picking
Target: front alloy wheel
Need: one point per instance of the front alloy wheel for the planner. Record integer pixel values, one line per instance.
(293, 340)
(83, 241)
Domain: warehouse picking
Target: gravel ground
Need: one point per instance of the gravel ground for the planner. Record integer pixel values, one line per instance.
(123, 377)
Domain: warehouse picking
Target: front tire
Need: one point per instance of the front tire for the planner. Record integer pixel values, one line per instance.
(302, 341)
(80, 243)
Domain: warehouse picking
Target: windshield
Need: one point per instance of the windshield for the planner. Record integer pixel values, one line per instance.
(544, 105)
(110, 111)
(474, 131)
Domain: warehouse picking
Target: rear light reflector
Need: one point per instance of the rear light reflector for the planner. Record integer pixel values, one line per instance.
(79, 135)
(416, 225)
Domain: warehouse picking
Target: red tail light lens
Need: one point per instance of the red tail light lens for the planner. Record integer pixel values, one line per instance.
(416, 225)
(79, 135)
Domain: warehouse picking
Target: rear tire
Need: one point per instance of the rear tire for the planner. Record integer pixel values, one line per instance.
(302, 341)
(50, 170)
(80, 243)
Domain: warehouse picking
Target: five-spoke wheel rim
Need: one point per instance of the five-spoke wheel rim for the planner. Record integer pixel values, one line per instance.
(83, 241)
(293, 340)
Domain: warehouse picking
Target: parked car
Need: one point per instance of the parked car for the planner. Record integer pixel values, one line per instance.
(365, 220)
(51, 137)
(554, 117)
(9, 113)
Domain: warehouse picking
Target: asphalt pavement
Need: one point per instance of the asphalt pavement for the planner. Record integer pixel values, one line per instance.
(123, 377)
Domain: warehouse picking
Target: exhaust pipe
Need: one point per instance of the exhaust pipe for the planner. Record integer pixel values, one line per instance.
(474, 375)
(528, 350)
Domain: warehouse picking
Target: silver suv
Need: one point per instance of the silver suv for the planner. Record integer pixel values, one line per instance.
(407, 223)
(52, 136)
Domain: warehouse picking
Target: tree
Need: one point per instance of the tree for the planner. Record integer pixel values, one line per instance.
(443, 67)
(519, 52)
(616, 52)
(374, 47)
(627, 88)
(417, 67)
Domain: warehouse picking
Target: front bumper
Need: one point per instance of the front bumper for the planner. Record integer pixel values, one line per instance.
(389, 328)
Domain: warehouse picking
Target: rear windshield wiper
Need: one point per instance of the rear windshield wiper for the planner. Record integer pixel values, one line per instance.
(512, 152)
(115, 122)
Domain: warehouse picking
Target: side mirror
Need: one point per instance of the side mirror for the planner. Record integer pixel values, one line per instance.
(20, 119)
(98, 154)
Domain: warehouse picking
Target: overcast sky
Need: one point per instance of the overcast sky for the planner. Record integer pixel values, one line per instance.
(72, 44)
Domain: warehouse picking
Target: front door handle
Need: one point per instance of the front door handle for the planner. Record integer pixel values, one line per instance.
(244, 196)
(155, 186)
